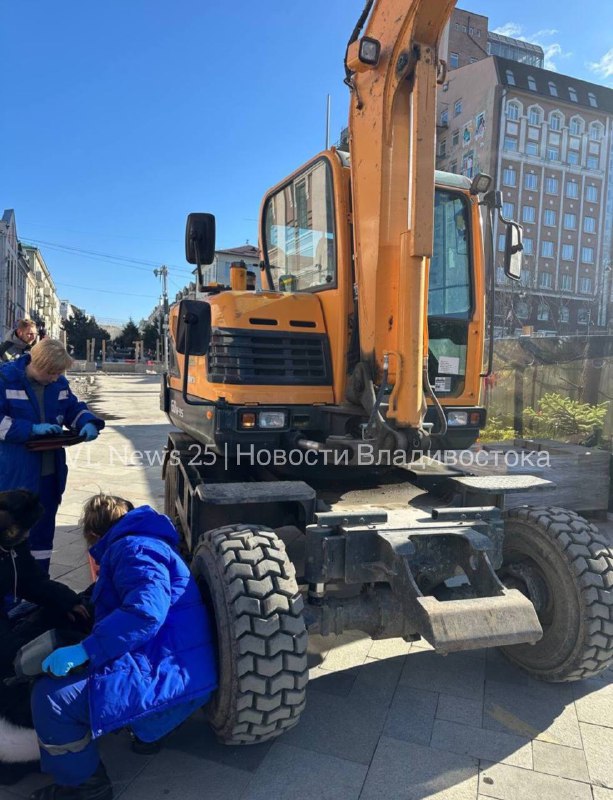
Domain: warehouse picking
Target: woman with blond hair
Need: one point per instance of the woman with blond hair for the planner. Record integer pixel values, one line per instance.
(36, 400)
(149, 660)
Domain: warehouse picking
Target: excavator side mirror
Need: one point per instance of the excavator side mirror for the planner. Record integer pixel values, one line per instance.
(193, 328)
(200, 241)
(512, 251)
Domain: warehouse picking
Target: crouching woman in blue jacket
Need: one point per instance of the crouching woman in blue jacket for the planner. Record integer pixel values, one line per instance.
(149, 661)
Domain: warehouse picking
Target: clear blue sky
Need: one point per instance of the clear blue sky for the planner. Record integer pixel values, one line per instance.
(120, 117)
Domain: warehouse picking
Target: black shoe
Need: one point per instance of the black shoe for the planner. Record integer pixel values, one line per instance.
(145, 748)
(12, 773)
(98, 787)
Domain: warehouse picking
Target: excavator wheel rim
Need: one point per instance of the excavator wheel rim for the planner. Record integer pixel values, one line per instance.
(576, 562)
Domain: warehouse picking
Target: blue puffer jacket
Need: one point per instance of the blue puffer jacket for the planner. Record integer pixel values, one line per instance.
(152, 646)
(19, 410)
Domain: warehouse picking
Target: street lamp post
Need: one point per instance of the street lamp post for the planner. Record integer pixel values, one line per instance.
(603, 316)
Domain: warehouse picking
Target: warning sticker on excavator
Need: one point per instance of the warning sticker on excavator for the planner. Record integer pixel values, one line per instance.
(442, 384)
(449, 365)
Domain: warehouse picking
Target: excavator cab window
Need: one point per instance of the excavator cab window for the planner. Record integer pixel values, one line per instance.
(299, 233)
(449, 294)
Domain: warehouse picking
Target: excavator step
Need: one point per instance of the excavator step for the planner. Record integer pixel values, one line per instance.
(468, 624)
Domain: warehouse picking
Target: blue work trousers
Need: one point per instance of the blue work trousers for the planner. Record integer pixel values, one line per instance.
(60, 708)
(41, 535)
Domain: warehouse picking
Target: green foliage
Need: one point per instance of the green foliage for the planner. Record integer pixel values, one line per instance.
(128, 336)
(149, 335)
(560, 418)
(81, 328)
(497, 429)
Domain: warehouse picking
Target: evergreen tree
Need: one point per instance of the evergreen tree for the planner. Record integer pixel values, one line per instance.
(79, 329)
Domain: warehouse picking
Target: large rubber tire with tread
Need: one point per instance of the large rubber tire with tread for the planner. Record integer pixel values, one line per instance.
(247, 578)
(573, 563)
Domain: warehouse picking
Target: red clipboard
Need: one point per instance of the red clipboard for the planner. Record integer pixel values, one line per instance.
(54, 441)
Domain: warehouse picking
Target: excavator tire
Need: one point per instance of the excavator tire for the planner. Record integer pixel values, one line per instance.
(565, 566)
(250, 583)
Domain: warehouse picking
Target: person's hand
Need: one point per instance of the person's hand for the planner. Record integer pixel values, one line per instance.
(79, 611)
(62, 660)
(90, 432)
(45, 428)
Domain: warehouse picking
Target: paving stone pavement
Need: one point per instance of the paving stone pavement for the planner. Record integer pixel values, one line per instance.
(384, 720)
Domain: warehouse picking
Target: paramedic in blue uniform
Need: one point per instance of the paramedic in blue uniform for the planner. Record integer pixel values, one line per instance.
(149, 661)
(36, 400)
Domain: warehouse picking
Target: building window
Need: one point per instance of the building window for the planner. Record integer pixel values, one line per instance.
(583, 316)
(533, 133)
(574, 143)
(501, 242)
(553, 153)
(455, 138)
(513, 111)
(585, 285)
(589, 224)
(528, 246)
(471, 31)
(454, 60)
(530, 181)
(457, 108)
(528, 214)
(572, 190)
(549, 218)
(532, 149)
(568, 252)
(572, 94)
(543, 312)
(508, 210)
(473, 60)
(535, 116)
(587, 255)
(576, 126)
(442, 148)
(547, 249)
(545, 280)
(531, 83)
(444, 118)
(552, 185)
(591, 194)
(509, 176)
(510, 144)
(595, 131)
(570, 222)
(453, 166)
(553, 89)
(592, 99)
(566, 282)
(564, 313)
(510, 78)
(526, 277)
(555, 122)
(573, 158)
(512, 128)
(593, 162)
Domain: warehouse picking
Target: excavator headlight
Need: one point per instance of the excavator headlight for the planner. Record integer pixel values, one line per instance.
(455, 418)
(272, 419)
(370, 50)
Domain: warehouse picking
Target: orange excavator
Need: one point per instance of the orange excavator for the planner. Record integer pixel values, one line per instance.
(298, 478)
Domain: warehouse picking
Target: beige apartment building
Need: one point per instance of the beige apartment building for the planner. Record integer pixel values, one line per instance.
(546, 139)
(46, 304)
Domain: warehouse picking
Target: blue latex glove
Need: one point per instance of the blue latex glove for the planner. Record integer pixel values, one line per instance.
(90, 432)
(62, 660)
(43, 428)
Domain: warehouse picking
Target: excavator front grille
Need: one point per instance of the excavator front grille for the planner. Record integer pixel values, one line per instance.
(268, 357)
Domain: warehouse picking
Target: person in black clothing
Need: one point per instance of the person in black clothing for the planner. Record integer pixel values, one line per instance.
(20, 342)
(59, 606)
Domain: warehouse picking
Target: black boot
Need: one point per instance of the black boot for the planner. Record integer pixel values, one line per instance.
(98, 787)
(12, 773)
